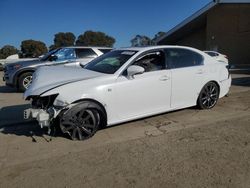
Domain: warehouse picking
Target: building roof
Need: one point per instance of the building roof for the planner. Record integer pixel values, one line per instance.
(198, 14)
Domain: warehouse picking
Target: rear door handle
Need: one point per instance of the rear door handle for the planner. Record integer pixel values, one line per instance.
(164, 78)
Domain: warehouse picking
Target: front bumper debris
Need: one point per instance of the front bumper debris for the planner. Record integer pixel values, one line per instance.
(42, 116)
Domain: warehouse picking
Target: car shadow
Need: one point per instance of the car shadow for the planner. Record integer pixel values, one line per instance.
(7, 89)
(241, 81)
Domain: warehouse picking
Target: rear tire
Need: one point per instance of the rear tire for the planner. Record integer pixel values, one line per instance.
(81, 121)
(209, 96)
(24, 81)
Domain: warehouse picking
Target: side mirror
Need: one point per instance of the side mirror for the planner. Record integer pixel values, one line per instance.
(133, 70)
(53, 58)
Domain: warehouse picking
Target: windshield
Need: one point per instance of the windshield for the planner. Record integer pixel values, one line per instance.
(65, 54)
(110, 62)
(47, 55)
(59, 55)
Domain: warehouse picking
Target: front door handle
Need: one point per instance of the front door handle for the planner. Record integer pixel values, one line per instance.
(164, 78)
(200, 71)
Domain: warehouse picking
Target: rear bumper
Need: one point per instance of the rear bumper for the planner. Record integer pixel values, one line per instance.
(225, 86)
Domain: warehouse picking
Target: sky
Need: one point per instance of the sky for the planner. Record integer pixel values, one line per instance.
(122, 19)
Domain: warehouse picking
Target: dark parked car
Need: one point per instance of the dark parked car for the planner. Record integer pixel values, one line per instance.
(19, 74)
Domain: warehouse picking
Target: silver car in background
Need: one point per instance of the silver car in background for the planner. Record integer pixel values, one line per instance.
(19, 74)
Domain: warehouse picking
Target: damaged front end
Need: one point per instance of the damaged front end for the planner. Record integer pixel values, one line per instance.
(43, 110)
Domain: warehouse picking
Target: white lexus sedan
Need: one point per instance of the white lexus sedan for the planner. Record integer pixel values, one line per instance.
(123, 85)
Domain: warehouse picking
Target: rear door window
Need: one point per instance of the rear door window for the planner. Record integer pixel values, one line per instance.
(85, 53)
(180, 58)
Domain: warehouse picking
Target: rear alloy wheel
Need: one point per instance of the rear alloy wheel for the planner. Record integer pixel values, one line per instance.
(209, 96)
(25, 81)
(80, 123)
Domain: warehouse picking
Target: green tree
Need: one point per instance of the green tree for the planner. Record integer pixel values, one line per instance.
(7, 50)
(33, 48)
(63, 39)
(140, 40)
(157, 36)
(93, 38)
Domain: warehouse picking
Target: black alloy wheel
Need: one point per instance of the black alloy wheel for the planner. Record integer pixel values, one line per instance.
(80, 123)
(209, 96)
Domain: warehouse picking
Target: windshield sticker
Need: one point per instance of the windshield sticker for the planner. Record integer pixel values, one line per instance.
(128, 53)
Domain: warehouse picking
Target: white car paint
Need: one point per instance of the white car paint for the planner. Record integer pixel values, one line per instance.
(68, 75)
(126, 99)
(146, 93)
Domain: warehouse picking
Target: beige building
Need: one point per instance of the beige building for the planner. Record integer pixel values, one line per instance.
(222, 25)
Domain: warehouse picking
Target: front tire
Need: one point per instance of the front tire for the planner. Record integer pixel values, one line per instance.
(81, 121)
(209, 96)
(25, 81)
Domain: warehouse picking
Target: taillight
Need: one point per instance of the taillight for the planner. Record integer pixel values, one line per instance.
(228, 67)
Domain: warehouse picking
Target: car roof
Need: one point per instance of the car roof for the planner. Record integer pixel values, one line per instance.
(146, 48)
(79, 47)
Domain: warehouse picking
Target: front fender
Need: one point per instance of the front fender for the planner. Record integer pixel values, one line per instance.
(76, 91)
(20, 72)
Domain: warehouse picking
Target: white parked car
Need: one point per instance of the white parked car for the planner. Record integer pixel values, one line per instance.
(218, 56)
(123, 85)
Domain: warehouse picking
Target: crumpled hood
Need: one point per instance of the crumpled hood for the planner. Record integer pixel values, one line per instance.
(49, 77)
